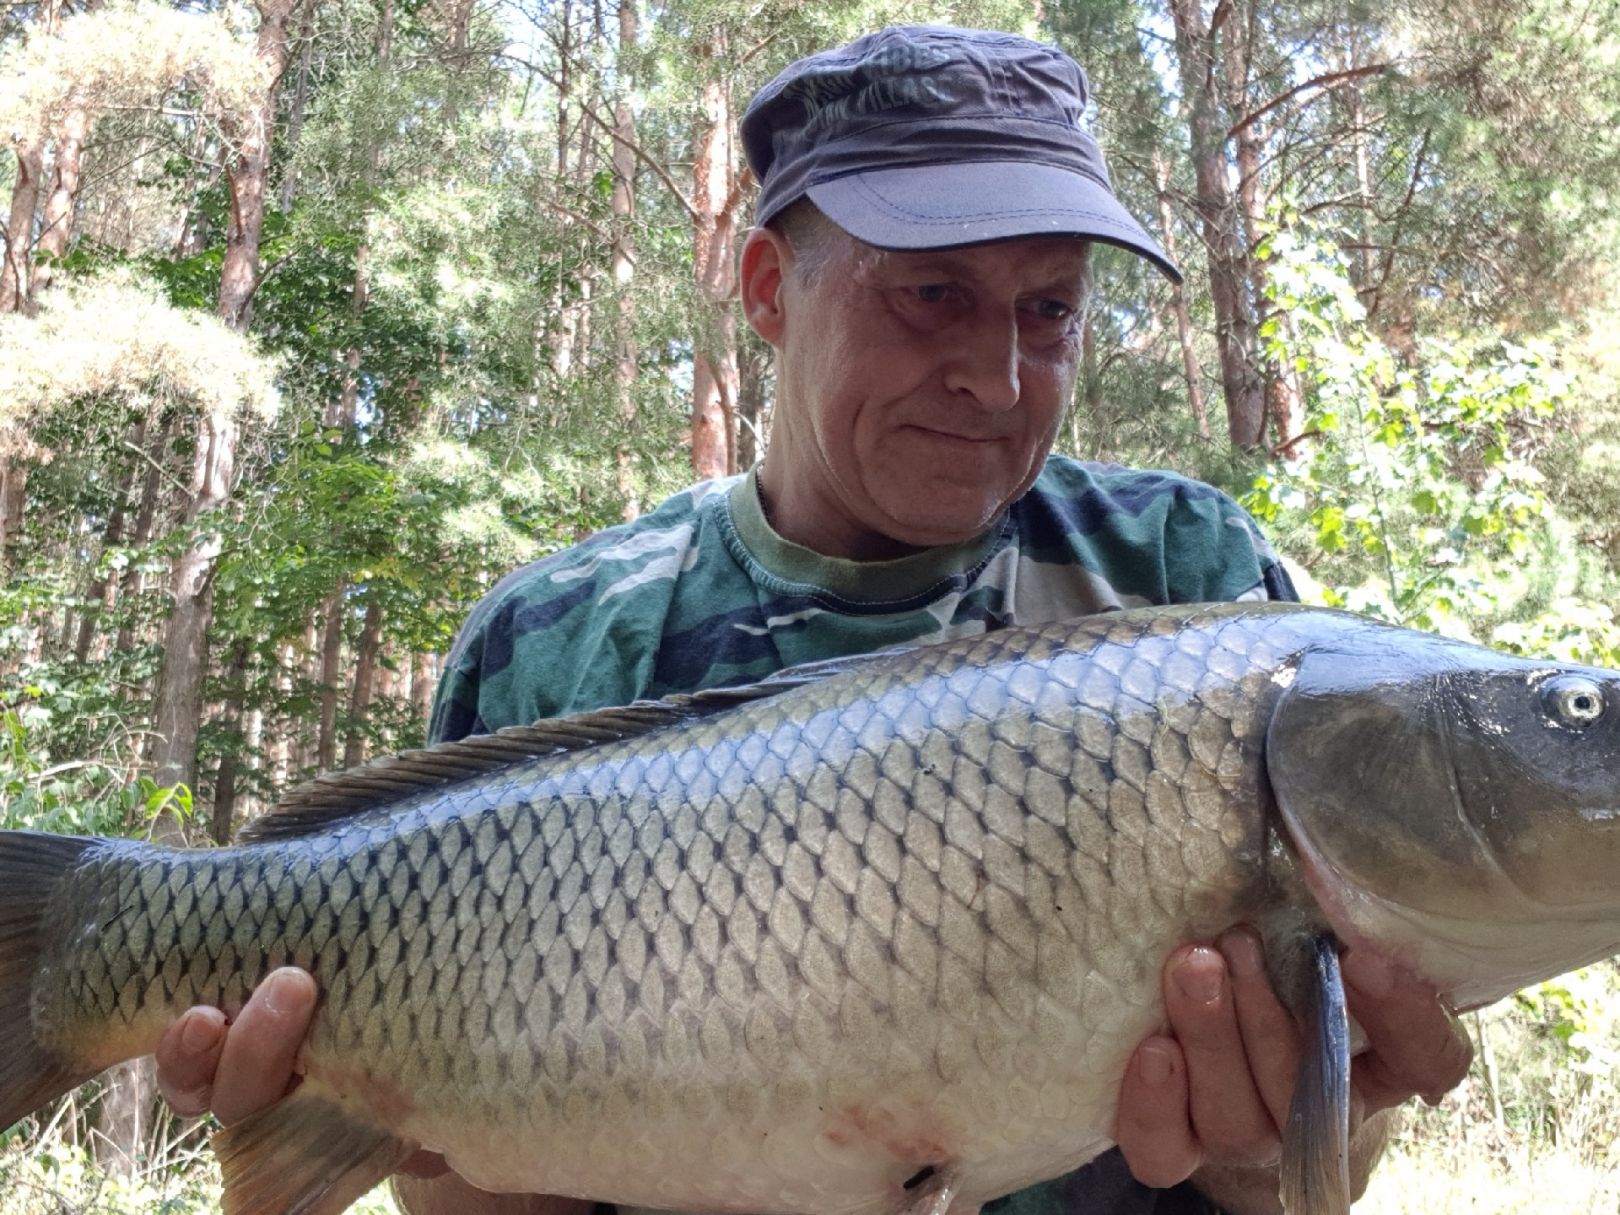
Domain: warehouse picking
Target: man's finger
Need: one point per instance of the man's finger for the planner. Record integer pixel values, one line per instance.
(1270, 1034)
(1415, 1044)
(256, 1066)
(187, 1057)
(1229, 1115)
(1153, 1129)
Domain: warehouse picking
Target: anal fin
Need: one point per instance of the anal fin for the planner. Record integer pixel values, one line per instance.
(1316, 1142)
(308, 1154)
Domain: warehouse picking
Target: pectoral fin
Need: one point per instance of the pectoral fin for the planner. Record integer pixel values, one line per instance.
(933, 1195)
(1316, 1143)
(307, 1155)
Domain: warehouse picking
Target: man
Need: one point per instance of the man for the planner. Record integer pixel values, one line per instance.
(928, 203)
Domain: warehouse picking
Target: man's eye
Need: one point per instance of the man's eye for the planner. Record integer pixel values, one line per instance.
(1054, 310)
(933, 293)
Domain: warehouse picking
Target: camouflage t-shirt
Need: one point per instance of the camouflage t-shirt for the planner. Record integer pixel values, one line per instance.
(702, 592)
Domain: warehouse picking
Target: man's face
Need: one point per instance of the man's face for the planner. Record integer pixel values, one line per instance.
(919, 393)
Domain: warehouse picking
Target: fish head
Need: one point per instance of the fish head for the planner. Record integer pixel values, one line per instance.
(1456, 808)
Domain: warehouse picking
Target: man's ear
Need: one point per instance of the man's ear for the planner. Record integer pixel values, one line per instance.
(767, 260)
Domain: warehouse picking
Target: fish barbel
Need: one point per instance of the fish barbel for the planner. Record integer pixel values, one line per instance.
(877, 935)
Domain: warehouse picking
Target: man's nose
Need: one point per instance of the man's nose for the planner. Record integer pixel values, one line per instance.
(984, 361)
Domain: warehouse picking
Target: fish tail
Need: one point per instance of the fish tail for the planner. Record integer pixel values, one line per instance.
(32, 866)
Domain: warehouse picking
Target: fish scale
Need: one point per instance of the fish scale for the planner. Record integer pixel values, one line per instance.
(780, 949)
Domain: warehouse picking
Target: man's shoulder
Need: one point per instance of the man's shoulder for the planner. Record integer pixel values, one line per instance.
(618, 561)
(1111, 504)
(1121, 488)
(1153, 535)
(579, 628)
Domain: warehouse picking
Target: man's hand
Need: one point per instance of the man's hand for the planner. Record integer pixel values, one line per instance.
(236, 1066)
(1209, 1099)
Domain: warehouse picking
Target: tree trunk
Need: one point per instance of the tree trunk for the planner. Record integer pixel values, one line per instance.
(103, 589)
(1220, 225)
(365, 684)
(56, 231)
(14, 297)
(1190, 370)
(128, 1101)
(279, 754)
(222, 822)
(753, 413)
(1282, 408)
(13, 493)
(249, 171)
(306, 673)
(300, 104)
(185, 640)
(1090, 374)
(331, 660)
(145, 519)
(15, 274)
(624, 262)
(178, 707)
(715, 198)
(423, 679)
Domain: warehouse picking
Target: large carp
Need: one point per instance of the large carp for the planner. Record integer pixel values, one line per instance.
(876, 935)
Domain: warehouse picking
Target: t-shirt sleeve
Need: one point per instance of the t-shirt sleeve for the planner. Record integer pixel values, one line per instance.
(1214, 551)
(576, 631)
(1155, 537)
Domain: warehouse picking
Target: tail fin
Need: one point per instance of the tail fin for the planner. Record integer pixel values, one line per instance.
(31, 867)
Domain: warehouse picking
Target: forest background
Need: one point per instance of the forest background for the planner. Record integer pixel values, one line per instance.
(319, 316)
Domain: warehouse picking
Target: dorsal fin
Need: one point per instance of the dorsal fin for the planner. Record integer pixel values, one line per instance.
(319, 803)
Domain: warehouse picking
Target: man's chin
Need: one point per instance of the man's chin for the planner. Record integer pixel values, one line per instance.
(924, 528)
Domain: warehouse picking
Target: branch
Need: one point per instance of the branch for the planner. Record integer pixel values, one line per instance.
(264, 274)
(658, 170)
(1326, 80)
(1395, 235)
(586, 221)
(185, 490)
(1283, 448)
(748, 55)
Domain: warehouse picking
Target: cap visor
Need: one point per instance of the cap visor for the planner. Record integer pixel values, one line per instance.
(941, 206)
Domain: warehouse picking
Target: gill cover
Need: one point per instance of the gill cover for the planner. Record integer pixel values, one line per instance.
(1456, 805)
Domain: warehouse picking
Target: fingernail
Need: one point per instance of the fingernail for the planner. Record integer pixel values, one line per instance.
(1198, 975)
(1370, 973)
(1244, 954)
(199, 1034)
(285, 991)
(1154, 1064)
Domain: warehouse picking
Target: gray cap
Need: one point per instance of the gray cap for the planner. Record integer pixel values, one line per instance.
(927, 137)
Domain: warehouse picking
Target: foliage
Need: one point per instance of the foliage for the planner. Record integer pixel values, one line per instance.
(113, 338)
(1538, 1114)
(1414, 486)
(59, 1176)
(129, 55)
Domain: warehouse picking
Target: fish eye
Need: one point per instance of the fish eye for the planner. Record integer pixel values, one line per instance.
(1573, 700)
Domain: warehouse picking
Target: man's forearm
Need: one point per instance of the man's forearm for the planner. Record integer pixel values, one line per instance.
(1255, 1191)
